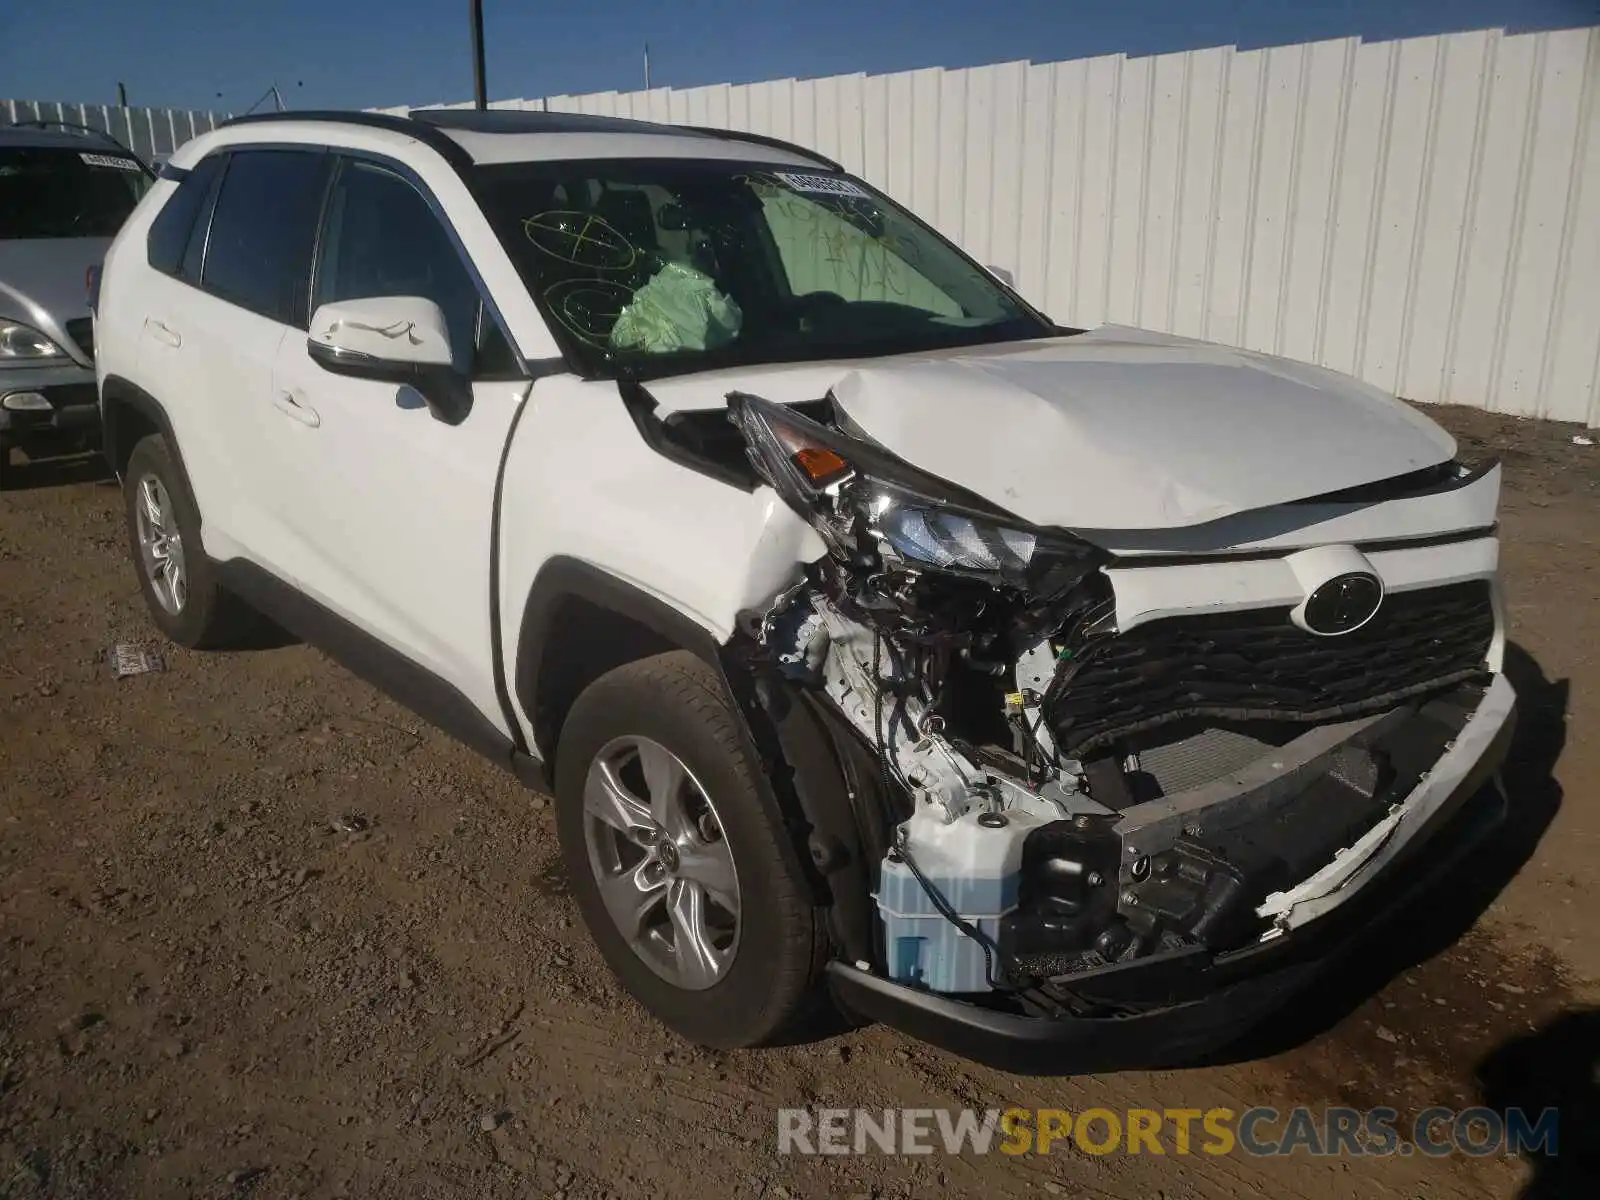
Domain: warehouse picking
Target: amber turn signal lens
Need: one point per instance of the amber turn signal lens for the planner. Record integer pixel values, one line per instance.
(820, 464)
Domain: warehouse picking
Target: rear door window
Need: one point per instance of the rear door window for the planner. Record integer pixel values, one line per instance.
(60, 192)
(258, 252)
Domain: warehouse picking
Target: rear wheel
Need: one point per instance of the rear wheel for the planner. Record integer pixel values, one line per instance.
(677, 865)
(178, 581)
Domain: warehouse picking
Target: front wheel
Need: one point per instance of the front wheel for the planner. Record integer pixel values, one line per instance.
(678, 866)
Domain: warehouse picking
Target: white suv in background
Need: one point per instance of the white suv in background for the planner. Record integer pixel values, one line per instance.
(1065, 698)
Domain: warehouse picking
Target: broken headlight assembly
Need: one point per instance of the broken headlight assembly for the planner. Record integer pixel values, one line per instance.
(876, 511)
(911, 626)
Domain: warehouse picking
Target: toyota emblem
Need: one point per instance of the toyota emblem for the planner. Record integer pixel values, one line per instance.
(1344, 604)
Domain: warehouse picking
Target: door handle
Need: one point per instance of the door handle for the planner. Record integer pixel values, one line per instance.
(285, 403)
(164, 333)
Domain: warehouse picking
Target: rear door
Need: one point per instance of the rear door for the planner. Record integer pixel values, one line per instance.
(163, 296)
(395, 509)
(243, 283)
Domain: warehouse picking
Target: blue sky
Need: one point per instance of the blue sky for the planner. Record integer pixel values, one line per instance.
(361, 53)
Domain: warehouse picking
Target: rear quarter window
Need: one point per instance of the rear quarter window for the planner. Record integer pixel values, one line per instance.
(169, 232)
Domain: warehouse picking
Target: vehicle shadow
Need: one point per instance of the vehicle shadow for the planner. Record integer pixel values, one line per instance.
(1455, 901)
(1556, 1066)
(34, 473)
(264, 634)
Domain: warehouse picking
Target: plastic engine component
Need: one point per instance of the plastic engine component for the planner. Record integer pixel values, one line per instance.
(924, 948)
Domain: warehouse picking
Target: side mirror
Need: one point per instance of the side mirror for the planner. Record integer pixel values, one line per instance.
(1003, 275)
(392, 339)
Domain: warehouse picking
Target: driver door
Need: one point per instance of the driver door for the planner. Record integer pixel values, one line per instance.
(394, 506)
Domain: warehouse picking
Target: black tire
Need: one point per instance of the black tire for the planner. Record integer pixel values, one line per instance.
(5, 464)
(678, 701)
(211, 617)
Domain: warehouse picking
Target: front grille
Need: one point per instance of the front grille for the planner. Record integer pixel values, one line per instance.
(1257, 666)
(81, 330)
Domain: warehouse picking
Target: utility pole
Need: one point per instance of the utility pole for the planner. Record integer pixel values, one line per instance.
(122, 93)
(647, 66)
(478, 90)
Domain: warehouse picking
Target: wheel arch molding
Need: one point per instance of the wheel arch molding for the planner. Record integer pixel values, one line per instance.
(579, 622)
(127, 414)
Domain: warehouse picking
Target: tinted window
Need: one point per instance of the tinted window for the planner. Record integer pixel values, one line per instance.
(194, 254)
(169, 232)
(47, 192)
(382, 239)
(259, 251)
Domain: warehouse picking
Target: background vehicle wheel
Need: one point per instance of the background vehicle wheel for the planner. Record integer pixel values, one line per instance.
(178, 580)
(5, 464)
(681, 874)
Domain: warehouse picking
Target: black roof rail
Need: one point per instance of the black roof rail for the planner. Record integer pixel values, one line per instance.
(76, 127)
(761, 139)
(533, 120)
(429, 135)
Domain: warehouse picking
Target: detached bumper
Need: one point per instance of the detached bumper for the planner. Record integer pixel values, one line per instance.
(1172, 1008)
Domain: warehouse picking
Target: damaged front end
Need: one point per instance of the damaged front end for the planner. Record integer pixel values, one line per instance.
(1061, 799)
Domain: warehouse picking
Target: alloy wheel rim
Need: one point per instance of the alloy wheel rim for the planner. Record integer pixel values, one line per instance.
(160, 545)
(662, 863)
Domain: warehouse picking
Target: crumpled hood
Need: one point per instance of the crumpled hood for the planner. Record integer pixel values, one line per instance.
(1115, 429)
(1124, 429)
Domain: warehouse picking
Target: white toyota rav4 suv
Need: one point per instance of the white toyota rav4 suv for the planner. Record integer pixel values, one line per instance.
(1067, 698)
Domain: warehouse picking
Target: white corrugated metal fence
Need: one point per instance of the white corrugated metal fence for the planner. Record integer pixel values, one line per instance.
(152, 133)
(1422, 213)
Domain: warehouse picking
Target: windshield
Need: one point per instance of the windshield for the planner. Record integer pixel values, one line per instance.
(50, 192)
(655, 267)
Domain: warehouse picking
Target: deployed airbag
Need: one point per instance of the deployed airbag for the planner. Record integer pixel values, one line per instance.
(680, 308)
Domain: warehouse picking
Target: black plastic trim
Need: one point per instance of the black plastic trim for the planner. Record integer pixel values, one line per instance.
(116, 391)
(834, 779)
(433, 699)
(562, 578)
(1136, 561)
(1399, 487)
(641, 406)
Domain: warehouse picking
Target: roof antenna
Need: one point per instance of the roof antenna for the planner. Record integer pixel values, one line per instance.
(479, 93)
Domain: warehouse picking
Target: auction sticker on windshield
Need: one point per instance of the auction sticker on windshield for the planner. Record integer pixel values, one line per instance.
(108, 160)
(828, 185)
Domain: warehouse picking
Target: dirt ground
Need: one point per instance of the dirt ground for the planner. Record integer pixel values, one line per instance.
(264, 933)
